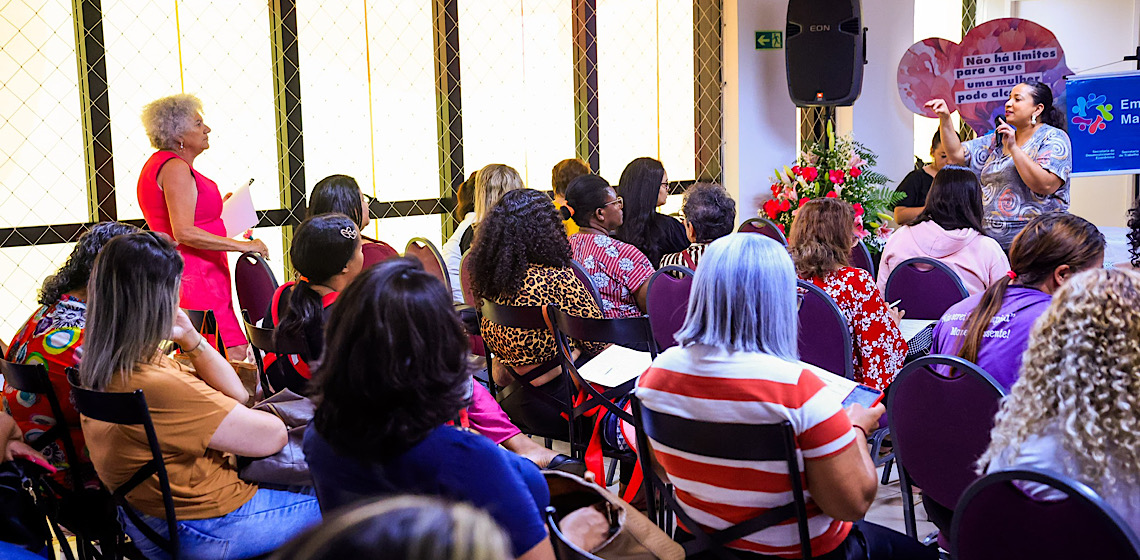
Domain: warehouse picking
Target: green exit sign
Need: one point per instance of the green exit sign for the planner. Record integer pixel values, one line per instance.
(769, 40)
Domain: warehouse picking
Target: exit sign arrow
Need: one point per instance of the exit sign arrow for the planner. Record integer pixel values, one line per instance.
(769, 40)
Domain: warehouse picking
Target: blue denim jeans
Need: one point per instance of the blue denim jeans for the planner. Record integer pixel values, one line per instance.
(268, 520)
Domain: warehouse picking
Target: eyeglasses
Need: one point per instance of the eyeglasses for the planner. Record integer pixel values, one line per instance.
(618, 201)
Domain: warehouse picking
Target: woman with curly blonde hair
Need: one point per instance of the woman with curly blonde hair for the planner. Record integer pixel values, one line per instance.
(1074, 408)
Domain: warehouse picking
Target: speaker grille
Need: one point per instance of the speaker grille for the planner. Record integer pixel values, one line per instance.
(792, 30)
(851, 26)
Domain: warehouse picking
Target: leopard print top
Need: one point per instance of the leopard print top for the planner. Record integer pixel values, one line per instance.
(542, 285)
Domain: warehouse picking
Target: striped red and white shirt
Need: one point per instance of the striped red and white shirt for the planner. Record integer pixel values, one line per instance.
(708, 384)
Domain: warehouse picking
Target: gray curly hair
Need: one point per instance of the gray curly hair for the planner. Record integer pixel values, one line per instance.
(1081, 377)
(165, 119)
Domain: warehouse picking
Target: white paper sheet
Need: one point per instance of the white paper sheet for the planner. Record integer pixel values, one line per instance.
(615, 365)
(911, 327)
(237, 211)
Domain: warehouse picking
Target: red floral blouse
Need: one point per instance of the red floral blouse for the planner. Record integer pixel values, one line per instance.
(879, 346)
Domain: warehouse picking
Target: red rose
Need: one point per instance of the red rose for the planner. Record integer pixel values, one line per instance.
(796, 169)
(804, 201)
(832, 194)
(785, 205)
(772, 208)
(835, 176)
(855, 172)
(775, 189)
(810, 173)
(858, 209)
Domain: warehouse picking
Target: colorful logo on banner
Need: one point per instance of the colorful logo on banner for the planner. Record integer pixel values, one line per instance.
(1083, 111)
(976, 76)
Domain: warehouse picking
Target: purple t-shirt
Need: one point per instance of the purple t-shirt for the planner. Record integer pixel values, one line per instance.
(1006, 339)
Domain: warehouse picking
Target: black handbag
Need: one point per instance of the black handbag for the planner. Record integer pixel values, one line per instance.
(21, 521)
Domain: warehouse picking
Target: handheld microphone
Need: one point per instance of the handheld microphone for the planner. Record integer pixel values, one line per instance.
(997, 137)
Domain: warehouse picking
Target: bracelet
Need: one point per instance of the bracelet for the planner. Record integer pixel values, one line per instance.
(197, 349)
(860, 428)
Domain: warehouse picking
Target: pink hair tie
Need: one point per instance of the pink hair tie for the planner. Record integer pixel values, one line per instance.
(1012, 275)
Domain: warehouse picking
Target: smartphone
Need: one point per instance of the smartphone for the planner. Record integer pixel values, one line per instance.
(863, 395)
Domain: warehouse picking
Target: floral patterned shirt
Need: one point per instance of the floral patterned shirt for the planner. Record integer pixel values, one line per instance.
(617, 270)
(879, 346)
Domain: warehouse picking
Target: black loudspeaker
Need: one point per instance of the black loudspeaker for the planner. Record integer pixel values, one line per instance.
(824, 50)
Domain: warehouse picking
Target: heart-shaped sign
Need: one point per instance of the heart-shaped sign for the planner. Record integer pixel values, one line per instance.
(975, 77)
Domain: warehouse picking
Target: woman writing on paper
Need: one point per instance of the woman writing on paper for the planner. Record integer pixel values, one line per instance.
(1024, 164)
(181, 202)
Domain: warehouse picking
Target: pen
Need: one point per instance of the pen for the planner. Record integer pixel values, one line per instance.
(894, 303)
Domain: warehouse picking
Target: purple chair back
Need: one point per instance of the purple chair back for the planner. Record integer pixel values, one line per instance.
(584, 276)
(255, 284)
(763, 226)
(824, 337)
(926, 287)
(996, 520)
(425, 251)
(668, 301)
(861, 258)
(940, 425)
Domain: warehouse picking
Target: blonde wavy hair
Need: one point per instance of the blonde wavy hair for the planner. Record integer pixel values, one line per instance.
(491, 183)
(1080, 379)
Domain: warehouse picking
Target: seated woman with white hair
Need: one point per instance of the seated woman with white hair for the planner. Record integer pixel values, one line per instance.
(737, 362)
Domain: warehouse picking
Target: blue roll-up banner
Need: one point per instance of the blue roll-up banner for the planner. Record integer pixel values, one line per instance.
(1104, 123)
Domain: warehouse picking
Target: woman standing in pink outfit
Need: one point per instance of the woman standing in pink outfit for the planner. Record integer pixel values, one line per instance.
(180, 202)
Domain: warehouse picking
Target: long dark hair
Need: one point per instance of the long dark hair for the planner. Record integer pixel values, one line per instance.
(74, 273)
(584, 195)
(131, 297)
(396, 368)
(954, 200)
(336, 193)
(523, 229)
(1047, 242)
(1042, 95)
(639, 187)
(322, 246)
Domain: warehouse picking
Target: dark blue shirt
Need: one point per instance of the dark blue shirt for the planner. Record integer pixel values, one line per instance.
(450, 463)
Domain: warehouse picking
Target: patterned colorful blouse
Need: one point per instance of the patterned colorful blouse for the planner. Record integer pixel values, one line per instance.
(879, 346)
(617, 270)
(543, 285)
(53, 336)
(1008, 201)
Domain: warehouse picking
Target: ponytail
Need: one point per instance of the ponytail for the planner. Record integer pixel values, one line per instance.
(303, 321)
(979, 319)
(1047, 242)
(1042, 95)
(323, 246)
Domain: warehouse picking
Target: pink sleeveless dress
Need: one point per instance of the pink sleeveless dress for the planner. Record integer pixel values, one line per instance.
(206, 277)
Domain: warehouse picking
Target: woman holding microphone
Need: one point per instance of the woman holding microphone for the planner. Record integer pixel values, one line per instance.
(1024, 164)
(181, 202)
